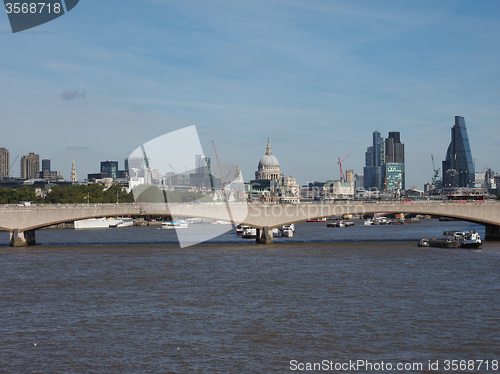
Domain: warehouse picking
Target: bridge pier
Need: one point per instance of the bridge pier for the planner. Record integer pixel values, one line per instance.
(492, 232)
(264, 235)
(22, 238)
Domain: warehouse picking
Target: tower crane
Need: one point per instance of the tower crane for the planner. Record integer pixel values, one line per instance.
(435, 178)
(342, 176)
(12, 164)
(223, 180)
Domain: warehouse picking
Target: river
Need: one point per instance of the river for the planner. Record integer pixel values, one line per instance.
(131, 300)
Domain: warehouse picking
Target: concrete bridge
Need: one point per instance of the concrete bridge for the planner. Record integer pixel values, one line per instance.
(23, 221)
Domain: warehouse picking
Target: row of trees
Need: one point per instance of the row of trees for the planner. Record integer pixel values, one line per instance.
(92, 193)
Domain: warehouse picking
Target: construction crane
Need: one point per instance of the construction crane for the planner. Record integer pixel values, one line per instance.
(11, 165)
(223, 180)
(435, 178)
(342, 176)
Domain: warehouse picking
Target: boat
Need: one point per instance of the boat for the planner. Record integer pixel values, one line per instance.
(468, 239)
(340, 223)
(181, 224)
(287, 231)
(219, 222)
(413, 220)
(239, 229)
(441, 243)
(369, 222)
(122, 222)
(249, 232)
(397, 221)
(104, 223)
(454, 239)
(380, 221)
(317, 220)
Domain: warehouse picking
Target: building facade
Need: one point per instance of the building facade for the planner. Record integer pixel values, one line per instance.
(4, 162)
(73, 172)
(46, 173)
(110, 168)
(30, 166)
(458, 166)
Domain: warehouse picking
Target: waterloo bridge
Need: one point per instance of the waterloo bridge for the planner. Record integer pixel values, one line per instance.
(23, 221)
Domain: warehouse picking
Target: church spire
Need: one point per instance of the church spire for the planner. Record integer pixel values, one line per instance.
(268, 149)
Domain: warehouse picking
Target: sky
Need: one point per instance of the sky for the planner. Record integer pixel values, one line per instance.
(317, 77)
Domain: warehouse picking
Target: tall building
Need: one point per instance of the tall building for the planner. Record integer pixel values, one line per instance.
(73, 172)
(374, 158)
(30, 166)
(46, 173)
(394, 170)
(4, 162)
(45, 166)
(394, 149)
(458, 167)
(110, 168)
(384, 163)
(378, 149)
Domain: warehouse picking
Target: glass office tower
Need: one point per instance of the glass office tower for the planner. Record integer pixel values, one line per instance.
(458, 167)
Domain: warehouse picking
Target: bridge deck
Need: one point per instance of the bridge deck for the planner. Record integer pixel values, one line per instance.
(19, 219)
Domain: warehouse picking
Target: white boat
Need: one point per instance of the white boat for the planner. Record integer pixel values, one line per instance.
(249, 233)
(104, 223)
(467, 239)
(287, 231)
(340, 223)
(368, 222)
(181, 224)
(219, 222)
(380, 221)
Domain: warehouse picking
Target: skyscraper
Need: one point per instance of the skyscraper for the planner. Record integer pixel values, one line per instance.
(374, 157)
(385, 168)
(394, 149)
(458, 167)
(4, 162)
(30, 166)
(45, 166)
(394, 165)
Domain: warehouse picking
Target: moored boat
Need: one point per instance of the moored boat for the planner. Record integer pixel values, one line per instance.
(104, 223)
(454, 239)
(287, 231)
(323, 219)
(249, 232)
(181, 224)
(340, 223)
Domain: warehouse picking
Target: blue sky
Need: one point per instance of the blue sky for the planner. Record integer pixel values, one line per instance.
(316, 77)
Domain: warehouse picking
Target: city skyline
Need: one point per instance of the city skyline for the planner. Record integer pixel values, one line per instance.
(316, 78)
